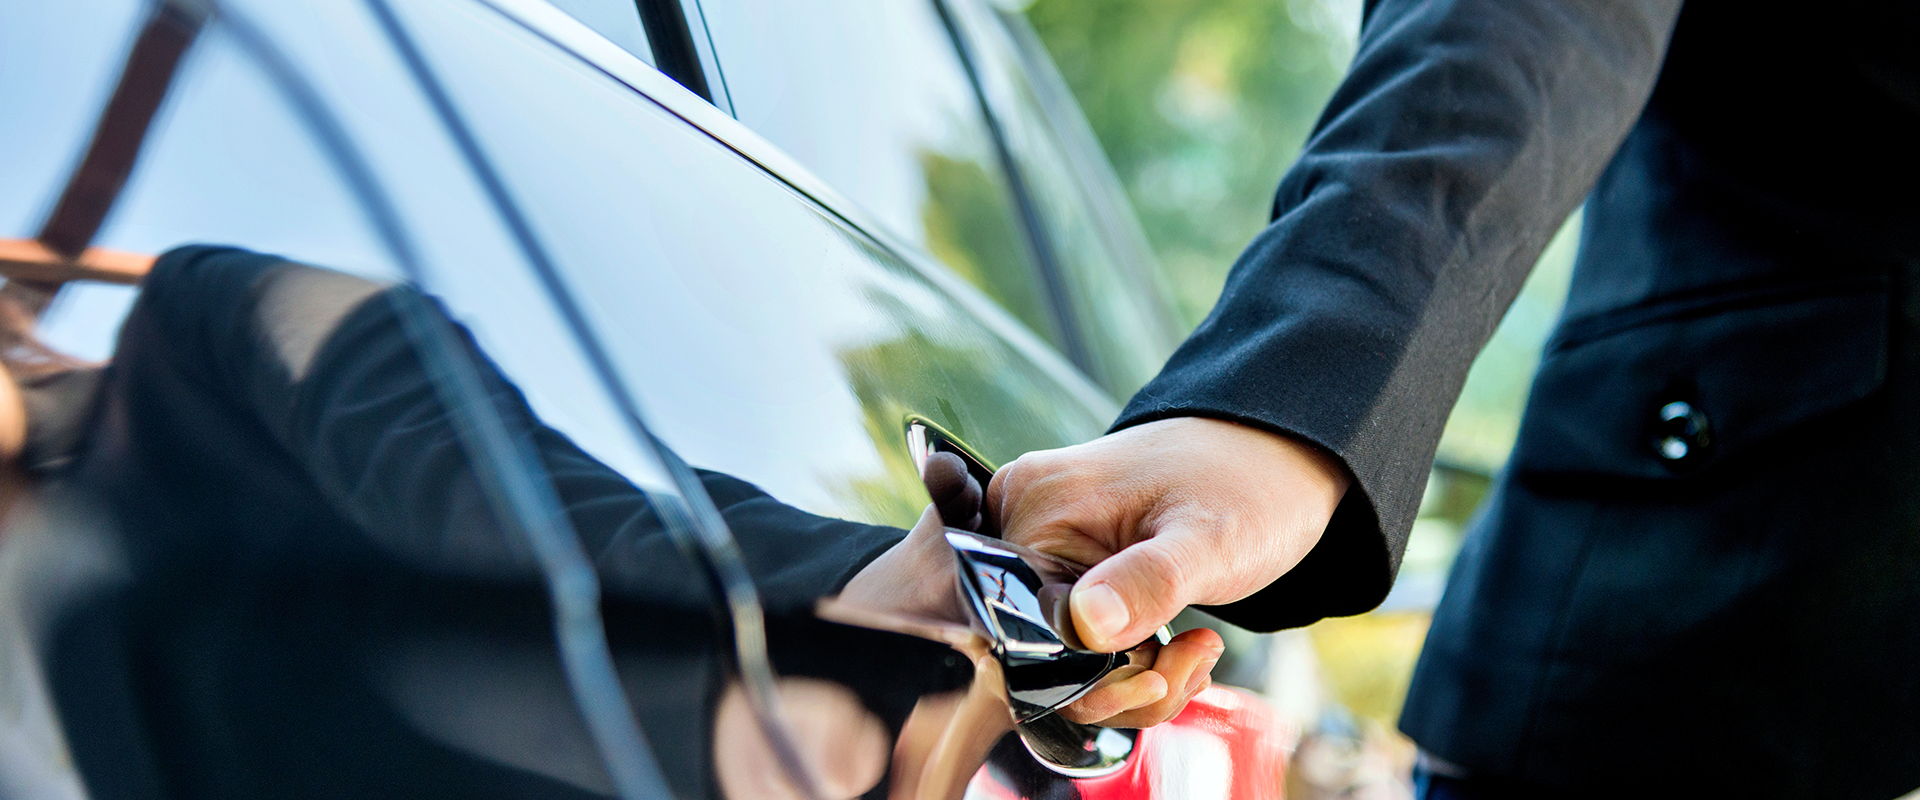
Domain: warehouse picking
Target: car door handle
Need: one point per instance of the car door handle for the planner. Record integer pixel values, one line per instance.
(1018, 599)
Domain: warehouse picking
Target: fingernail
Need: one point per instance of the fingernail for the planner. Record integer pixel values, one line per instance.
(1099, 611)
(1201, 677)
(1195, 685)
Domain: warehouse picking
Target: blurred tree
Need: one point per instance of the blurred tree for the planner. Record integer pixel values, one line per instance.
(1201, 105)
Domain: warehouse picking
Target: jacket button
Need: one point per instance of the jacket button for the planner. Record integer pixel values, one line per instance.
(1682, 434)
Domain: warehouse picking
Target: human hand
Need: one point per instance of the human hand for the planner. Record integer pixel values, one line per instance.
(1170, 513)
(916, 577)
(1144, 695)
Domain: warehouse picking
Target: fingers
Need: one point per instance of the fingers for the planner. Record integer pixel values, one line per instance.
(1046, 500)
(1139, 697)
(1185, 665)
(1173, 512)
(1124, 599)
(1122, 690)
(954, 490)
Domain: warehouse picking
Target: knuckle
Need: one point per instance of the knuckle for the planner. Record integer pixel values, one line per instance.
(1162, 567)
(1082, 713)
(1158, 714)
(1206, 514)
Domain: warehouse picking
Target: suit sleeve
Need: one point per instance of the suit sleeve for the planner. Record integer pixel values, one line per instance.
(318, 362)
(1465, 133)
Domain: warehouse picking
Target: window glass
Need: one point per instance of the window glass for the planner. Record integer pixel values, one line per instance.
(871, 96)
(1113, 291)
(273, 584)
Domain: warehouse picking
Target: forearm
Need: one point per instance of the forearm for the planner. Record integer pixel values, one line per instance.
(320, 363)
(1465, 134)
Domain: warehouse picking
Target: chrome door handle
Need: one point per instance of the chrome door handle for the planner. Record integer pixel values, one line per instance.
(1018, 598)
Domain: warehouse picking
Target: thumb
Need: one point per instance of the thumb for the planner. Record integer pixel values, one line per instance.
(1125, 598)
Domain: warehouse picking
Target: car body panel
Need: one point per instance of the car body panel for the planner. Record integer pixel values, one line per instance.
(771, 328)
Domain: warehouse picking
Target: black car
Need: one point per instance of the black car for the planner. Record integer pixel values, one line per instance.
(774, 241)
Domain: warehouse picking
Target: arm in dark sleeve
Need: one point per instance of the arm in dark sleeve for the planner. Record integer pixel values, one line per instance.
(318, 362)
(1464, 135)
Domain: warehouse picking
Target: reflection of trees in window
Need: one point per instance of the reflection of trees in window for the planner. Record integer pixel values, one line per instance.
(972, 228)
(987, 401)
(945, 369)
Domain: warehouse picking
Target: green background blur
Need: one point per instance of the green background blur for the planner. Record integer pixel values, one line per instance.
(1201, 106)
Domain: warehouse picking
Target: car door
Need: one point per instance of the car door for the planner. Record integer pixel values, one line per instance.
(542, 196)
(802, 341)
(621, 251)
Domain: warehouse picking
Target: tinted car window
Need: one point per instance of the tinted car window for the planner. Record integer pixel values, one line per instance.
(1107, 271)
(871, 96)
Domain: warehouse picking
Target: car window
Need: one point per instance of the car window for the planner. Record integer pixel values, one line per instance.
(871, 96)
(1113, 294)
(774, 340)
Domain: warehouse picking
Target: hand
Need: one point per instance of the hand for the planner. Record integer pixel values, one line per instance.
(916, 577)
(1144, 696)
(1171, 513)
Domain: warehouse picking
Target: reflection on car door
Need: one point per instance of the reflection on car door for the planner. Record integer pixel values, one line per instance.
(799, 344)
(871, 96)
(767, 335)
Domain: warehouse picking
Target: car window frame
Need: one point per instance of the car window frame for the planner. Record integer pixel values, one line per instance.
(982, 27)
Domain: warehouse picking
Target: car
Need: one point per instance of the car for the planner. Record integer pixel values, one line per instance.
(785, 243)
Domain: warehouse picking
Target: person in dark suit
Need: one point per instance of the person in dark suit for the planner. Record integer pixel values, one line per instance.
(1701, 569)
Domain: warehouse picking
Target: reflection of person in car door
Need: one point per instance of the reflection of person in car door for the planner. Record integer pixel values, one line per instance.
(311, 548)
(303, 517)
(1701, 568)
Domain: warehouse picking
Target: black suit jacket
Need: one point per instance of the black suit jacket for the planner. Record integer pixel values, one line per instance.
(1723, 599)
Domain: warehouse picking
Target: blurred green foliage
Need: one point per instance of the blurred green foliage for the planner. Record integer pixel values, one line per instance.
(1200, 105)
